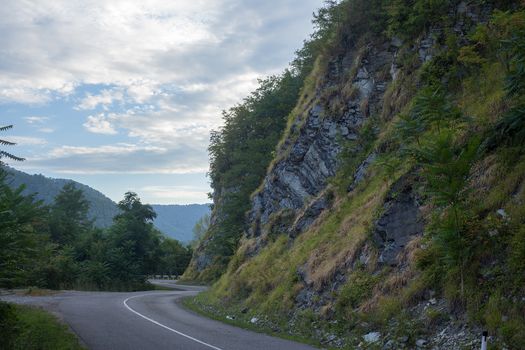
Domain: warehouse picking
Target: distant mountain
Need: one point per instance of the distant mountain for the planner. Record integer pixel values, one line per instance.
(101, 209)
(176, 221)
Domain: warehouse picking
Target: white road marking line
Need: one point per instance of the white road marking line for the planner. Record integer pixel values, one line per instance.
(163, 326)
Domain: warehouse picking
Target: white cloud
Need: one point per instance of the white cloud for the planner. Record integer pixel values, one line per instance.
(105, 98)
(161, 71)
(120, 158)
(185, 194)
(46, 130)
(142, 91)
(99, 124)
(35, 119)
(27, 140)
(115, 150)
(21, 93)
(50, 48)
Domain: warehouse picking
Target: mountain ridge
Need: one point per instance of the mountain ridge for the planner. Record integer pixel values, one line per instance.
(174, 220)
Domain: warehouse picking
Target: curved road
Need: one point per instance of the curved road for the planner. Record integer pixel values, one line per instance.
(148, 320)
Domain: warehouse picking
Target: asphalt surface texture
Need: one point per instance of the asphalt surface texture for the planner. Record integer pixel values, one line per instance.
(147, 320)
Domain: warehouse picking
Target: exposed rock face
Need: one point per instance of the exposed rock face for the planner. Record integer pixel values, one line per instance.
(294, 194)
(295, 185)
(360, 173)
(308, 216)
(400, 222)
(303, 174)
(202, 257)
(297, 179)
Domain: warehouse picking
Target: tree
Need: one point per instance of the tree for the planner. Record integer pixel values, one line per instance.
(510, 129)
(4, 154)
(68, 219)
(446, 171)
(410, 128)
(21, 219)
(200, 229)
(133, 247)
(132, 208)
(433, 108)
(174, 257)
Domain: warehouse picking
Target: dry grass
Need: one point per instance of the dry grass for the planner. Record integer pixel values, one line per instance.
(36, 292)
(350, 235)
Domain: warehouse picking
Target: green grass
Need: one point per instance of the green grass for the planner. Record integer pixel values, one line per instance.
(242, 321)
(39, 330)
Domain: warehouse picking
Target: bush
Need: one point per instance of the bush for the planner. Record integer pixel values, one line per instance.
(9, 328)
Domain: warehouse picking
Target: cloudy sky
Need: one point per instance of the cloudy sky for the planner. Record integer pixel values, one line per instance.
(121, 95)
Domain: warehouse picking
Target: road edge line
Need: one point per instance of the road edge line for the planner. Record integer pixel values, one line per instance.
(125, 302)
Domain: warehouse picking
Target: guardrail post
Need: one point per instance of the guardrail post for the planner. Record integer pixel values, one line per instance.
(484, 340)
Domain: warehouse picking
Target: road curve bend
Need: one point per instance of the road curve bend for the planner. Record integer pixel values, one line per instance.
(148, 320)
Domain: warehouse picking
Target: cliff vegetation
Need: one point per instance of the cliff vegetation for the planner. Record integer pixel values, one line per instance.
(390, 213)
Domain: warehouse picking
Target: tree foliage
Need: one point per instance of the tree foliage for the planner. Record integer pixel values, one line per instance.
(58, 247)
(20, 220)
(241, 151)
(68, 216)
(5, 154)
(511, 128)
(199, 230)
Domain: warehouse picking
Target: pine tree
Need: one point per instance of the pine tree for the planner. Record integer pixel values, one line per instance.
(4, 154)
(69, 215)
(446, 171)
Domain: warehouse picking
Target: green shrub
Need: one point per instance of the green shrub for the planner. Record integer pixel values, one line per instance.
(9, 328)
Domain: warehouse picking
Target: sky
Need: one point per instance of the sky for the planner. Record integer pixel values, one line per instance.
(122, 95)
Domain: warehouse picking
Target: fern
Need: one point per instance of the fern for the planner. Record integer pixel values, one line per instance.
(515, 80)
(445, 169)
(432, 107)
(510, 129)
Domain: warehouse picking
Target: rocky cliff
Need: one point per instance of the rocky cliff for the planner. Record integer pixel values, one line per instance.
(369, 229)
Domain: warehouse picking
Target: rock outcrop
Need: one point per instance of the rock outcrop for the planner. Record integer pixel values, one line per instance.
(400, 222)
(311, 155)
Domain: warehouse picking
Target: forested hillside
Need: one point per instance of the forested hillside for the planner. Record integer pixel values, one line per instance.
(101, 208)
(176, 221)
(375, 191)
(56, 246)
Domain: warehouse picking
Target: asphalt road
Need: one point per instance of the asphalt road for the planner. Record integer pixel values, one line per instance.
(148, 320)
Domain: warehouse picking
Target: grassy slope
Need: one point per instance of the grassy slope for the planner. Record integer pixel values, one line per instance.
(266, 285)
(37, 329)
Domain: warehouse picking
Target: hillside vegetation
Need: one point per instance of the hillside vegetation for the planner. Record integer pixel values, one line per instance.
(101, 208)
(28, 328)
(57, 246)
(391, 212)
(176, 221)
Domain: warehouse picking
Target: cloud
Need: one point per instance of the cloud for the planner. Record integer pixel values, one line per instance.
(38, 123)
(48, 49)
(105, 98)
(99, 124)
(119, 159)
(27, 140)
(46, 130)
(186, 194)
(154, 73)
(35, 120)
(114, 150)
